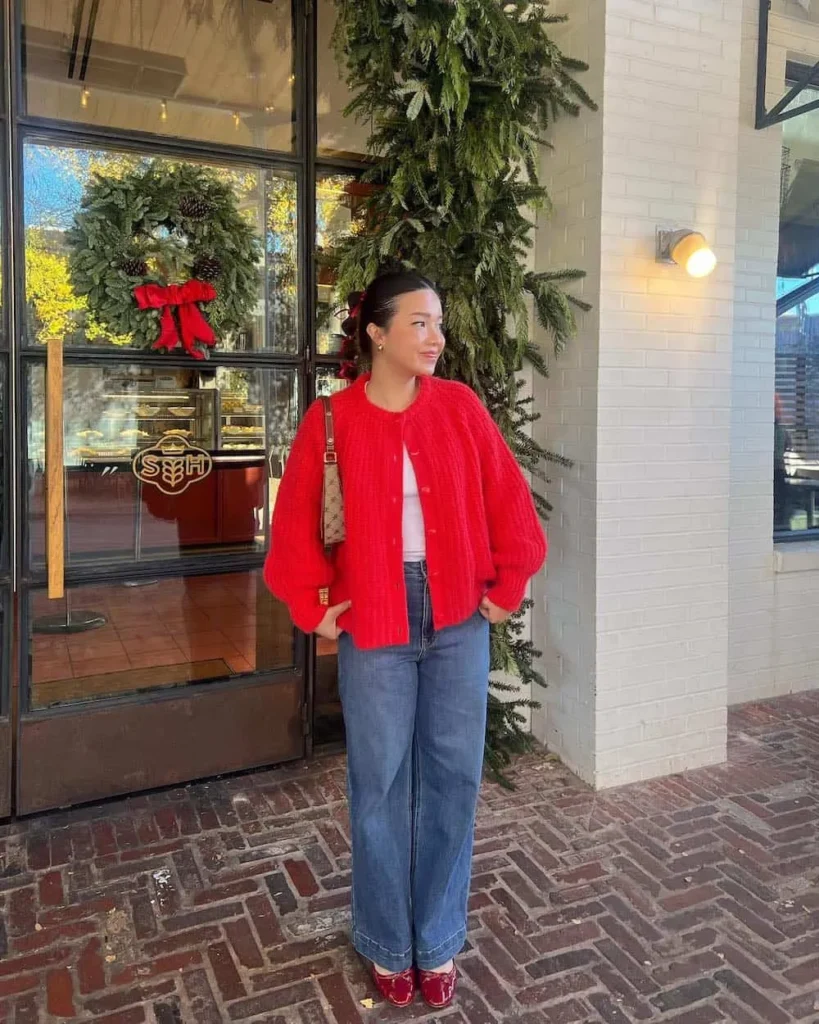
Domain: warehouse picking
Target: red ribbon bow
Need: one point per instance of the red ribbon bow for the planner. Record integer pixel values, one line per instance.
(193, 326)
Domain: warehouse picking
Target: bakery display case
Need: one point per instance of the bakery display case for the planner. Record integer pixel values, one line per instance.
(126, 421)
(158, 464)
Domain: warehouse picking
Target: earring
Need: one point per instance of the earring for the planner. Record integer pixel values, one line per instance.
(380, 348)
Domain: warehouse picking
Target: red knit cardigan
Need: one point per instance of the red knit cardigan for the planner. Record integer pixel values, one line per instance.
(483, 534)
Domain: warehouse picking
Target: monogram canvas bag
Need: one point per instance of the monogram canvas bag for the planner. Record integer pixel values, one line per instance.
(332, 505)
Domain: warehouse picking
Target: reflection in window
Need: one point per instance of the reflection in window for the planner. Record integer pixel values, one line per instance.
(328, 382)
(796, 405)
(218, 70)
(339, 199)
(55, 180)
(161, 634)
(337, 135)
(800, 10)
(138, 486)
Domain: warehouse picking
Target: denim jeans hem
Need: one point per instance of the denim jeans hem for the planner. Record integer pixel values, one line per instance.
(429, 960)
(377, 954)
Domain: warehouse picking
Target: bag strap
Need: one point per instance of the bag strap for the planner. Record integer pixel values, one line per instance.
(329, 433)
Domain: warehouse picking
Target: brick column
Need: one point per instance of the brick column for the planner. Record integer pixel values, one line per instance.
(633, 613)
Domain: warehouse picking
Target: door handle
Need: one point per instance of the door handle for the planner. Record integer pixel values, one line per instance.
(55, 470)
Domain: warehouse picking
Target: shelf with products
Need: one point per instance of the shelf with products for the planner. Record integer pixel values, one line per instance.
(242, 422)
(121, 422)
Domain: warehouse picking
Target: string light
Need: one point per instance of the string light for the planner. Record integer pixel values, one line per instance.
(84, 98)
(163, 110)
(291, 79)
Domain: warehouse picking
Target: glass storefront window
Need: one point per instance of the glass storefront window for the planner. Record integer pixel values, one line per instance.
(796, 403)
(161, 464)
(119, 639)
(218, 70)
(55, 178)
(338, 201)
(338, 136)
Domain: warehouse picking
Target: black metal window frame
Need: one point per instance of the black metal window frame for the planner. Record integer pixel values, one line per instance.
(303, 163)
(800, 76)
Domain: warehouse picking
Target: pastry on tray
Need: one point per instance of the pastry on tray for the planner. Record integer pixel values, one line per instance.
(146, 411)
(176, 432)
(133, 432)
(185, 411)
(88, 435)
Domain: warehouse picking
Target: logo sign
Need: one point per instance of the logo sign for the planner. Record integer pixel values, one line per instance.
(172, 465)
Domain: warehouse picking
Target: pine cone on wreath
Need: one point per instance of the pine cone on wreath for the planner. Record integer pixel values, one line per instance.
(195, 207)
(134, 266)
(207, 267)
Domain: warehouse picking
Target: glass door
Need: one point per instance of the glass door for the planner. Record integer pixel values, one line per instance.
(149, 649)
(138, 644)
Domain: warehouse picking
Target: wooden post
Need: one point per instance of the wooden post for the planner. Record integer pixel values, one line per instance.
(55, 471)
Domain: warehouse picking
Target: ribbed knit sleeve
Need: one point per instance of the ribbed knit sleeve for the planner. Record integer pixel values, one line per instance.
(516, 535)
(297, 567)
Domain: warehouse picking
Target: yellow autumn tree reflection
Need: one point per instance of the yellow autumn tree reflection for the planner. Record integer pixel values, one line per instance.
(57, 311)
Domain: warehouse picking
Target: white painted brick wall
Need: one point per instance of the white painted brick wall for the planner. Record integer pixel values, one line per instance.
(641, 544)
(664, 600)
(564, 617)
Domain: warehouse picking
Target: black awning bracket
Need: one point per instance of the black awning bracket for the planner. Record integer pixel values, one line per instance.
(802, 76)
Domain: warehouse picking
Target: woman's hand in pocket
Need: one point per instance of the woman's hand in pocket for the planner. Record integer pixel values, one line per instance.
(493, 613)
(328, 627)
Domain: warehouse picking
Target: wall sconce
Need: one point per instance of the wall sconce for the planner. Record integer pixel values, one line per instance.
(84, 95)
(688, 249)
(163, 110)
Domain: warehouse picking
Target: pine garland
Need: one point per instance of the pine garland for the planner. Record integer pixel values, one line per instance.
(460, 94)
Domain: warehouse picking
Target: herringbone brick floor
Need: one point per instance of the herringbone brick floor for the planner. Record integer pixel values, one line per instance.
(693, 899)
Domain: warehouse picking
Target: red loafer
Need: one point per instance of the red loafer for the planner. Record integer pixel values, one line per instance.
(438, 989)
(398, 989)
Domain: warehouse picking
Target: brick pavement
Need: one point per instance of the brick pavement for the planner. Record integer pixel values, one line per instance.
(692, 900)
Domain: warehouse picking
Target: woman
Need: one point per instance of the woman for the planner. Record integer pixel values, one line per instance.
(441, 539)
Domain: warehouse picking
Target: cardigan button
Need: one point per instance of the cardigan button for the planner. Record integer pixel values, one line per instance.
(425, 490)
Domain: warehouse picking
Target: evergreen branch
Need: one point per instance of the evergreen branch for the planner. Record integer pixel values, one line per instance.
(460, 96)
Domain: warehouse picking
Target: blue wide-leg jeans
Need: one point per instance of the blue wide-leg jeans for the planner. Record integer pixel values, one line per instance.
(415, 718)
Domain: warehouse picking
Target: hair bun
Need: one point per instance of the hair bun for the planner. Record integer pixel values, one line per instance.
(354, 299)
(349, 326)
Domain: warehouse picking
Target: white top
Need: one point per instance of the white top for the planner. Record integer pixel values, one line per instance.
(415, 545)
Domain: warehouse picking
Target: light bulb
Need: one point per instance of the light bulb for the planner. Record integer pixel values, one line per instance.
(701, 263)
(236, 119)
(84, 98)
(690, 250)
(163, 110)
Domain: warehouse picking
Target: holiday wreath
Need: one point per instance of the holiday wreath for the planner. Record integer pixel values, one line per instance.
(164, 254)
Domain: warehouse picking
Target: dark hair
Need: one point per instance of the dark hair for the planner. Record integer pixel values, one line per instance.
(376, 304)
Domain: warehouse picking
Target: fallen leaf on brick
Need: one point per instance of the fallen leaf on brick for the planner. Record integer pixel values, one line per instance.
(38, 927)
(368, 1004)
(110, 958)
